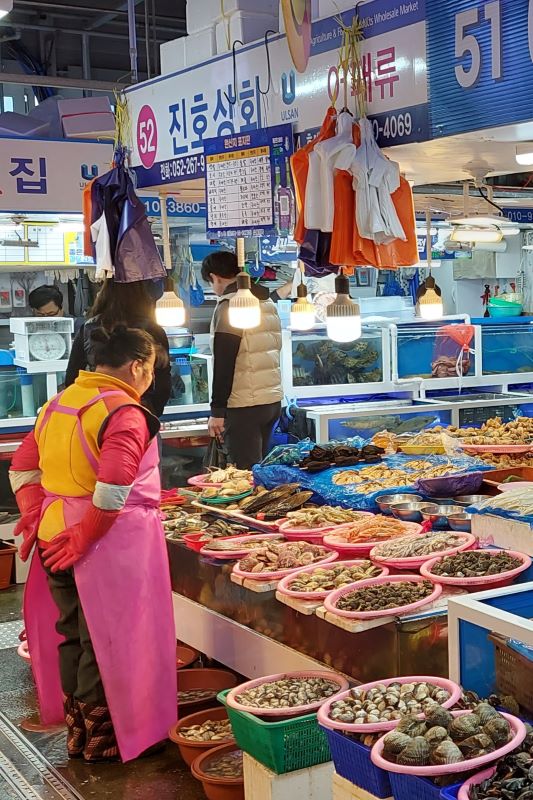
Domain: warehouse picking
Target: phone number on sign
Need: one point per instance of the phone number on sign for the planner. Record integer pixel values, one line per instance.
(395, 126)
(186, 167)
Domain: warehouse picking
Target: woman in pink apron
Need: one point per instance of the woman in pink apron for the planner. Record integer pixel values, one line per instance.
(97, 605)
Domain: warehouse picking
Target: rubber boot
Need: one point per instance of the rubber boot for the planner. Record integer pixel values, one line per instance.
(101, 742)
(76, 735)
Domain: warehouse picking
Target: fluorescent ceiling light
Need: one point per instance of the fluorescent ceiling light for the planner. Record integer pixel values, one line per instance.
(5, 7)
(524, 154)
(484, 220)
(471, 234)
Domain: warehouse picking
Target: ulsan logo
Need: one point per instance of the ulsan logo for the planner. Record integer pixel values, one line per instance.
(297, 17)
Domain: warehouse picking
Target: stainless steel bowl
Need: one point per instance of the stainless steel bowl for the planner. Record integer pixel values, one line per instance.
(438, 515)
(408, 512)
(460, 522)
(385, 501)
(469, 499)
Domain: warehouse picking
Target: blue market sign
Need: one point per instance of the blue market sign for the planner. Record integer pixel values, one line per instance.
(480, 64)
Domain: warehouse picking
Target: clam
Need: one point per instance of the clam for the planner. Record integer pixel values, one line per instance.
(421, 691)
(498, 729)
(394, 742)
(416, 754)
(412, 727)
(484, 712)
(436, 735)
(463, 727)
(476, 745)
(446, 752)
(438, 716)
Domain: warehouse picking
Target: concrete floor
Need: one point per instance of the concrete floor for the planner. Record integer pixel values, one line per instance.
(45, 773)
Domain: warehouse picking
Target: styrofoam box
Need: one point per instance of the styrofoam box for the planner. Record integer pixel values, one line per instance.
(83, 105)
(344, 790)
(89, 126)
(244, 26)
(202, 14)
(501, 532)
(13, 124)
(173, 55)
(200, 47)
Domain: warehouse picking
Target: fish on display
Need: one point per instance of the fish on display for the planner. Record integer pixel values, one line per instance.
(394, 424)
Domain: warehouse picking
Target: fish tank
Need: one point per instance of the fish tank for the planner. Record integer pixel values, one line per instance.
(190, 380)
(365, 422)
(314, 365)
(507, 347)
(21, 395)
(433, 351)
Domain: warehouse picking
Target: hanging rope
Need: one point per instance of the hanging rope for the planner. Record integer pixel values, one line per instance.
(351, 64)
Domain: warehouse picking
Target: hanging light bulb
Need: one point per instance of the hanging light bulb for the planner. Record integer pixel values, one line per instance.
(170, 309)
(343, 319)
(244, 309)
(429, 300)
(302, 310)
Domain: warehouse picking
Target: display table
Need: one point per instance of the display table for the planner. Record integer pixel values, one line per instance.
(255, 634)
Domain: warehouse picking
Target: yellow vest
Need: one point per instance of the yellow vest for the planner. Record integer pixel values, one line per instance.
(66, 468)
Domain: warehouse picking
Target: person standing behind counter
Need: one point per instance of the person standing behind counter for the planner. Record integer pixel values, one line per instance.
(129, 304)
(247, 393)
(46, 301)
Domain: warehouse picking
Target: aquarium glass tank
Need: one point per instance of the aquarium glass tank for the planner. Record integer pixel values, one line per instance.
(432, 351)
(507, 348)
(317, 361)
(397, 422)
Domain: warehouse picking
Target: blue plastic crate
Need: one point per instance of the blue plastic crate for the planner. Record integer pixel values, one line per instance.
(412, 787)
(352, 762)
(450, 792)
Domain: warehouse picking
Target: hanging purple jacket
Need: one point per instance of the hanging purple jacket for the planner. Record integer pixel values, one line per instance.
(135, 253)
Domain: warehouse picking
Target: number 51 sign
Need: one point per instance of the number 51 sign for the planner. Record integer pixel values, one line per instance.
(480, 58)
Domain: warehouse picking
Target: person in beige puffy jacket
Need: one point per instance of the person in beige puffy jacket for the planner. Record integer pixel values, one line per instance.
(247, 393)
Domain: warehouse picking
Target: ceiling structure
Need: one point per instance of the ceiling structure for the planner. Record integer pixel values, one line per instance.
(89, 38)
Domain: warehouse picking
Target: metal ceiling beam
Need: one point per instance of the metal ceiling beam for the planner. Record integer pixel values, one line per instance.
(68, 9)
(25, 26)
(57, 83)
(103, 20)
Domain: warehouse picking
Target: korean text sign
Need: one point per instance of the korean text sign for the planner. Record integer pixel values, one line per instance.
(480, 63)
(203, 102)
(244, 172)
(40, 175)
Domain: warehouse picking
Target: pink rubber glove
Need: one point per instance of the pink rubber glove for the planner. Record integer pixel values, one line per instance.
(73, 543)
(29, 500)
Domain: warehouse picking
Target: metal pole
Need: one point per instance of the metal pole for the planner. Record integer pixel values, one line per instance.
(147, 38)
(86, 60)
(132, 29)
(167, 259)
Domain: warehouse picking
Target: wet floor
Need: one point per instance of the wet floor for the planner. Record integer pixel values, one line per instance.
(35, 766)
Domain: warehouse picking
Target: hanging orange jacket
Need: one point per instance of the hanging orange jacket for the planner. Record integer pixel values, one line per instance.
(87, 220)
(300, 169)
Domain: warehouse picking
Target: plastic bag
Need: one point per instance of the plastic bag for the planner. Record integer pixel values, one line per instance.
(451, 358)
(216, 456)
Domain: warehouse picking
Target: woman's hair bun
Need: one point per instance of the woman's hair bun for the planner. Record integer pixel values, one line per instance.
(116, 347)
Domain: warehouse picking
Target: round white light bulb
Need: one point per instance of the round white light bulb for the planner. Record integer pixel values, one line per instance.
(170, 310)
(344, 329)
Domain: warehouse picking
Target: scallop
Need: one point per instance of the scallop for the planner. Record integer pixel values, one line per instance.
(446, 752)
(416, 754)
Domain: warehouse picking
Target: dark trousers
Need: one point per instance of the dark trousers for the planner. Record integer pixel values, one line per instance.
(248, 432)
(79, 671)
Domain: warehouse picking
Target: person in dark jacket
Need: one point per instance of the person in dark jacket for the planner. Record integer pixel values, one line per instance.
(130, 304)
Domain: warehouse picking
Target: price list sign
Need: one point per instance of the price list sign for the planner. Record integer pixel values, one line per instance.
(240, 180)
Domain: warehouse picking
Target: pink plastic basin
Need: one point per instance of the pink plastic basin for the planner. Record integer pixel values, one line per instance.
(277, 575)
(376, 727)
(233, 555)
(518, 735)
(416, 561)
(475, 780)
(508, 487)
(295, 711)
(285, 584)
(332, 599)
(335, 541)
(286, 527)
(502, 579)
(200, 482)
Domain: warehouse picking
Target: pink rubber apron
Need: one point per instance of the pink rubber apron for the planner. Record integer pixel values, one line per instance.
(124, 588)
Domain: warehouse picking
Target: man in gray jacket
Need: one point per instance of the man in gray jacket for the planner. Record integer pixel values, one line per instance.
(247, 393)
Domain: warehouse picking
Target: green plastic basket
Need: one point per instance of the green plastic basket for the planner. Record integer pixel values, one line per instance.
(283, 746)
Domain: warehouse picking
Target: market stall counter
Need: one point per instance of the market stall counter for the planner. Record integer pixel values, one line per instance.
(254, 634)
